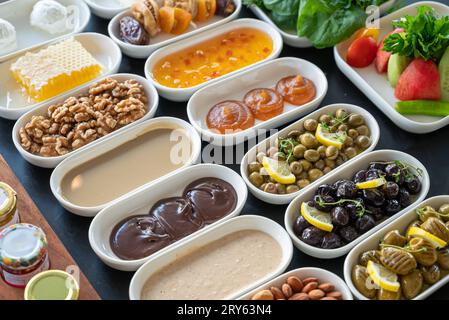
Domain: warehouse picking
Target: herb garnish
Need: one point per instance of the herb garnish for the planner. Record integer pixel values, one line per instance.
(360, 208)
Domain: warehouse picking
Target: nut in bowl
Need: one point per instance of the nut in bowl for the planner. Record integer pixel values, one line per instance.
(302, 284)
(354, 202)
(405, 260)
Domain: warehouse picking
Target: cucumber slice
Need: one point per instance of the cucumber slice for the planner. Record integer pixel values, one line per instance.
(444, 75)
(396, 65)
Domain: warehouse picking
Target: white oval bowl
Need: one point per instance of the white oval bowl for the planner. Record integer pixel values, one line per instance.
(302, 273)
(18, 13)
(141, 202)
(183, 94)
(109, 143)
(346, 172)
(250, 156)
(291, 38)
(105, 9)
(376, 86)
(163, 39)
(264, 75)
(219, 231)
(101, 47)
(372, 242)
(51, 162)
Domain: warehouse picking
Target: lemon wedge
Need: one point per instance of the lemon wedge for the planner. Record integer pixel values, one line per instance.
(326, 138)
(418, 232)
(371, 184)
(278, 170)
(319, 219)
(383, 277)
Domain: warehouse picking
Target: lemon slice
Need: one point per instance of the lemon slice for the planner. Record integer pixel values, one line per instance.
(383, 277)
(371, 184)
(278, 170)
(418, 232)
(319, 219)
(326, 138)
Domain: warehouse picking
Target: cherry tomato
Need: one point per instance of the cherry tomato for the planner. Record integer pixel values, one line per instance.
(362, 52)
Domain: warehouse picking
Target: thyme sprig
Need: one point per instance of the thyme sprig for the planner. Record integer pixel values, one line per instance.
(360, 208)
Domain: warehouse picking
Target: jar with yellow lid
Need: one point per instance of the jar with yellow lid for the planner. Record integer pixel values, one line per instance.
(8, 206)
(23, 253)
(52, 285)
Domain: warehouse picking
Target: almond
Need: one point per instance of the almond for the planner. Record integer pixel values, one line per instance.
(327, 287)
(295, 283)
(328, 298)
(287, 290)
(300, 296)
(308, 280)
(263, 295)
(310, 286)
(316, 294)
(277, 293)
(335, 294)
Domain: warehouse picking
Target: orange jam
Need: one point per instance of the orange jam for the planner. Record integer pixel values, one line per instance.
(213, 58)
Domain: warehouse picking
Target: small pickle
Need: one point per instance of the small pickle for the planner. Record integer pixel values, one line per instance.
(361, 281)
(431, 274)
(411, 284)
(427, 212)
(443, 258)
(397, 260)
(423, 251)
(371, 255)
(394, 238)
(383, 294)
(436, 227)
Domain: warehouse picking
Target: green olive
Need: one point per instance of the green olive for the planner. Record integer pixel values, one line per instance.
(363, 130)
(383, 294)
(272, 151)
(444, 211)
(303, 175)
(431, 274)
(427, 212)
(412, 284)
(397, 260)
(270, 188)
(353, 133)
(298, 151)
(362, 281)
(330, 163)
(281, 189)
(302, 183)
(325, 118)
(355, 120)
(320, 164)
(341, 113)
(322, 151)
(312, 155)
(256, 179)
(315, 174)
(342, 128)
(310, 125)
(350, 152)
(254, 167)
(327, 169)
(294, 133)
(292, 188)
(349, 142)
(394, 238)
(436, 227)
(280, 156)
(308, 140)
(423, 251)
(296, 167)
(306, 165)
(443, 258)
(339, 161)
(260, 156)
(371, 255)
(363, 141)
(332, 152)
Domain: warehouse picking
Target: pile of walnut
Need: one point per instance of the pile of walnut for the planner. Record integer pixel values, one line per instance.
(110, 105)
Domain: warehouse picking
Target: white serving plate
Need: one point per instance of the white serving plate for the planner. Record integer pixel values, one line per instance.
(98, 148)
(183, 94)
(214, 233)
(290, 37)
(373, 241)
(264, 75)
(18, 13)
(13, 103)
(141, 202)
(376, 86)
(302, 273)
(105, 9)
(346, 172)
(163, 39)
(263, 146)
(51, 162)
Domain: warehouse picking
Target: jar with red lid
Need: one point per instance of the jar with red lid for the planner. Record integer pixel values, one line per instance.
(23, 253)
(8, 206)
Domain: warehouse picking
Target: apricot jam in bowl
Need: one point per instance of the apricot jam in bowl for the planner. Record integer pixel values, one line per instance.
(180, 69)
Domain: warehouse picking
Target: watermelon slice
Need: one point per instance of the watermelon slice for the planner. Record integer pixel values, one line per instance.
(382, 57)
(419, 81)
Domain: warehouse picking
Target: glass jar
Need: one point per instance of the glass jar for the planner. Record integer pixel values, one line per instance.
(23, 253)
(8, 206)
(52, 285)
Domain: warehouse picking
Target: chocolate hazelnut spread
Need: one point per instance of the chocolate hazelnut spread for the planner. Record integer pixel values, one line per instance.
(204, 201)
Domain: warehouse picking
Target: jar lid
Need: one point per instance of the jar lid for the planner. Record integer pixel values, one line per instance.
(52, 285)
(22, 245)
(8, 199)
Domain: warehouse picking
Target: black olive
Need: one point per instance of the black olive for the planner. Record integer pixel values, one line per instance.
(325, 190)
(351, 209)
(365, 223)
(313, 236)
(376, 212)
(132, 32)
(372, 174)
(392, 206)
(348, 233)
(404, 198)
(390, 189)
(413, 184)
(331, 241)
(377, 166)
(346, 190)
(373, 197)
(299, 225)
(395, 173)
(323, 207)
(340, 216)
(359, 176)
